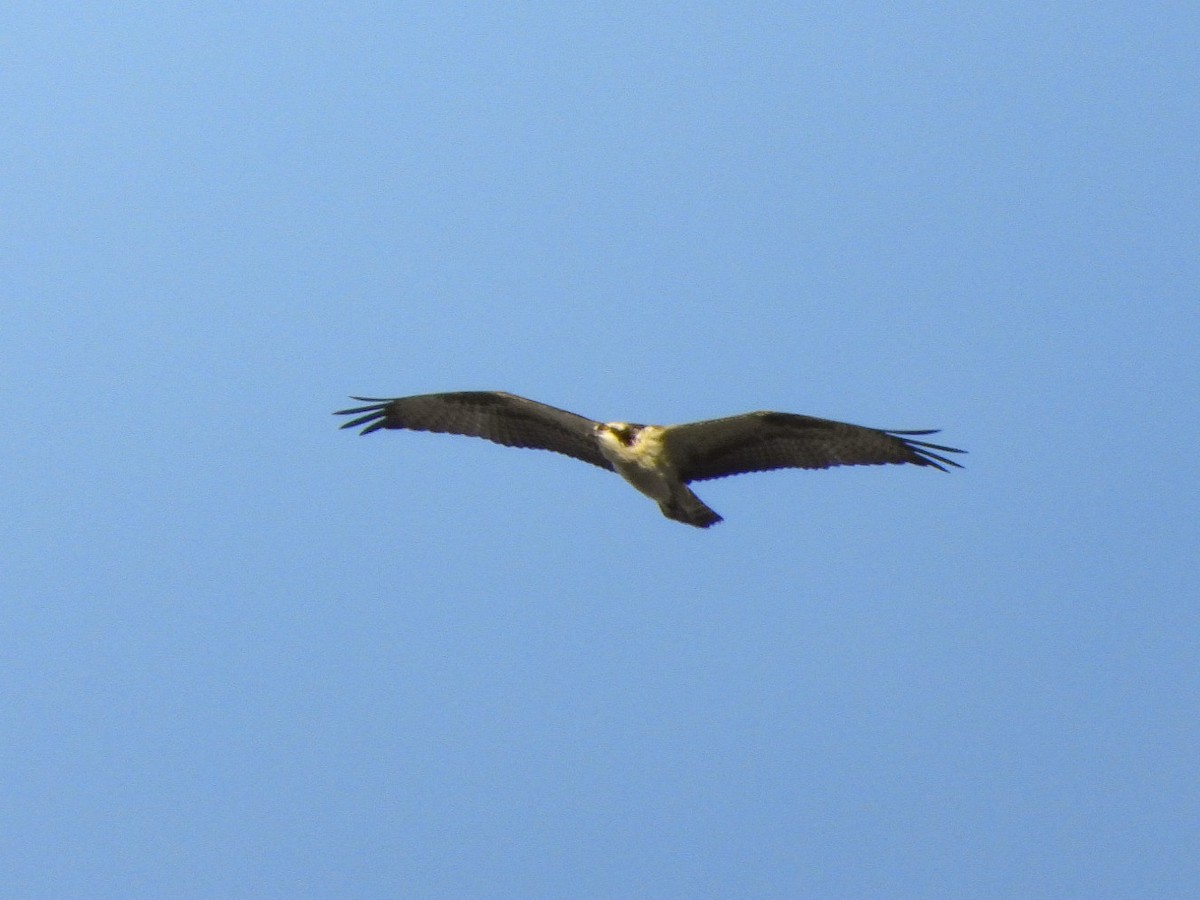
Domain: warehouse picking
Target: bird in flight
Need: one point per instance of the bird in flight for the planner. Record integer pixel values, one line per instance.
(658, 460)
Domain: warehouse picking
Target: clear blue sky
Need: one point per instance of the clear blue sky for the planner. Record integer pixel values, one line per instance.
(244, 654)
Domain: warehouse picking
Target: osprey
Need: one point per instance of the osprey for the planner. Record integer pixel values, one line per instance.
(658, 460)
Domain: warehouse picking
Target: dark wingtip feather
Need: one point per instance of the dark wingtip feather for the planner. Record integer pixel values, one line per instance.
(932, 459)
(376, 414)
(376, 403)
(923, 450)
(375, 420)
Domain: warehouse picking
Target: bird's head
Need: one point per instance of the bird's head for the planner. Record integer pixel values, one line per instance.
(618, 432)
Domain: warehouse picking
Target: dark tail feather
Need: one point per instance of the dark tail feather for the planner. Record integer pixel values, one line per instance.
(686, 507)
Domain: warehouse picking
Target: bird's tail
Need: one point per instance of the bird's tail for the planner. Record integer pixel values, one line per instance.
(684, 506)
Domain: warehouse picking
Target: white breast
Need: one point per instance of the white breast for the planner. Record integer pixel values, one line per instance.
(643, 463)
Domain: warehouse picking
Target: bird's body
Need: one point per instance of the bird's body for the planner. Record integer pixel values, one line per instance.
(639, 455)
(658, 460)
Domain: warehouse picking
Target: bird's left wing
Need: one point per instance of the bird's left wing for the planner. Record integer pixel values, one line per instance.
(759, 441)
(494, 415)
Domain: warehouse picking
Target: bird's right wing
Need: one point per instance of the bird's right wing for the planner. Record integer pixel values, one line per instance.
(760, 441)
(493, 415)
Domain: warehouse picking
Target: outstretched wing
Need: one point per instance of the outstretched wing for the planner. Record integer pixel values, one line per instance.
(759, 441)
(496, 416)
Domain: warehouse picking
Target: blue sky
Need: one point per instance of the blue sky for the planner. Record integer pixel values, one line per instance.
(247, 655)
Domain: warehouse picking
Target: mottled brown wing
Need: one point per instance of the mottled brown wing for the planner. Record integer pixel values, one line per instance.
(493, 415)
(761, 441)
